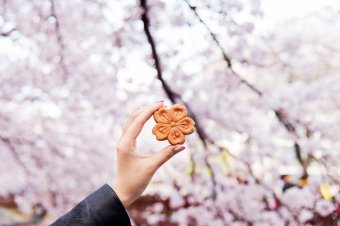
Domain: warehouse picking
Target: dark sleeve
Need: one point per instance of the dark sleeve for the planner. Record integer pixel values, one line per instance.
(102, 207)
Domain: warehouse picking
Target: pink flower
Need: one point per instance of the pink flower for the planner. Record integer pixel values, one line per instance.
(324, 208)
(305, 215)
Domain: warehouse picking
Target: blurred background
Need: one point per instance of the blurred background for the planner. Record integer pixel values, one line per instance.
(260, 78)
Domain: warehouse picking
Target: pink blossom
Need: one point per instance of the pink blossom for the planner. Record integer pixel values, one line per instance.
(69, 79)
(324, 208)
(305, 215)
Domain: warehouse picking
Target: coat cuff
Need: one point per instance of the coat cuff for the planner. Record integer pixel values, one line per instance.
(107, 207)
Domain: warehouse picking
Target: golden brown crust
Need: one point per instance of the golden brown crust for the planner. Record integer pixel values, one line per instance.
(162, 115)
(161, 131)
(173, 124)
(176, 136)
(186, 125)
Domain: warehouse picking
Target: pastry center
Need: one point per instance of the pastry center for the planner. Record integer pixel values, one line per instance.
(172, 124)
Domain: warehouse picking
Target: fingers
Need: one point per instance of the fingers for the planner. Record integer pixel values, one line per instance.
(165, 154)
(137, 124)
(132, 118)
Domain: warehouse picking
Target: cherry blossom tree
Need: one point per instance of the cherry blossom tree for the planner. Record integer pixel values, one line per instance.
(265, 101)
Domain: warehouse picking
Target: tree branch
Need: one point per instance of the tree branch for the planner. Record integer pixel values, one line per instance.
(282, 116)
(14, 153)
(60, 38)
(226, 58)
(283, 120)
(170, 93)
(7, 33)
(175, 97)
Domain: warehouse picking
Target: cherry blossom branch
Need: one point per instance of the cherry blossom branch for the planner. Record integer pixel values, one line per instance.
(60, 38)
(226, 58)
(257, 180)
(237, 158)
(7, 33)
(170, 93)
(281, 115)
(231, 20)
(283, 120)
(334, 178)
(3, 13)
(173, 96)
(14, 153)
(12, 142)
(206, 141)
(212, 34)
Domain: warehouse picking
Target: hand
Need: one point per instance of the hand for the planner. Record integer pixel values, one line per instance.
(135, 170)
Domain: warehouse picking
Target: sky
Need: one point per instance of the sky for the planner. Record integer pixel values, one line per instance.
(280, 10)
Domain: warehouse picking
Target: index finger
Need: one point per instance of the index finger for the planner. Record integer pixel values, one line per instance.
(137, 125)
(131, 119)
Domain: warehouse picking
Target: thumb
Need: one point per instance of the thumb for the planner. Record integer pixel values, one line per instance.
(165, 154)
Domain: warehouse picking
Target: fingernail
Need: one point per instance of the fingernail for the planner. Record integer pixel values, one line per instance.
(161, 101)
(179, 148)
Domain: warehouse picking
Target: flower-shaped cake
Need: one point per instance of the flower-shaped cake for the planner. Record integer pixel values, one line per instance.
(173, 124)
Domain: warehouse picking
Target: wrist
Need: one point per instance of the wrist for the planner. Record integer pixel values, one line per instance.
(121, 195)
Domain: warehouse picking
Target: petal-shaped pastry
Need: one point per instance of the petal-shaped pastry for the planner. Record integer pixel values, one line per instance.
(162, 115)
(161, 131)
(186, 125)
(176, 136)
(178, 112)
